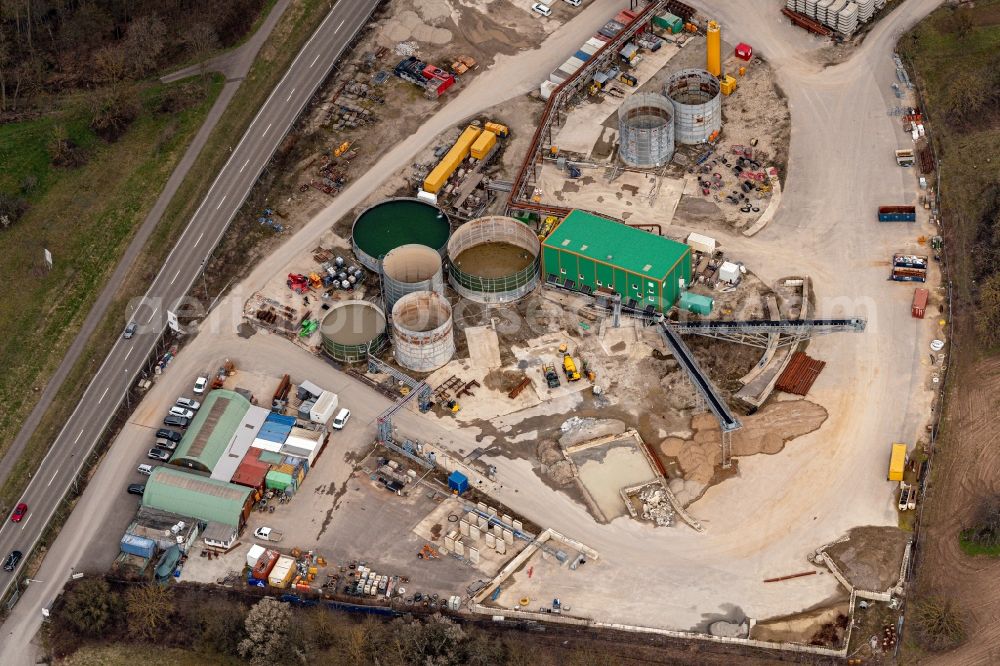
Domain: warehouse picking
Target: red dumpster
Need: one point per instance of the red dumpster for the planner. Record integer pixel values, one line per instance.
(744, 51)
(919, 303)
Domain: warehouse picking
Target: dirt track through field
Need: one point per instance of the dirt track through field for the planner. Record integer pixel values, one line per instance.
(966, 467)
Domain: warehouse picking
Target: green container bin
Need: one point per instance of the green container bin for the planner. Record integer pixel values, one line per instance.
(669, 22)
(696, 303)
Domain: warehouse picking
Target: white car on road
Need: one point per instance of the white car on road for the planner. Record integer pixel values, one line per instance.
(200, 385)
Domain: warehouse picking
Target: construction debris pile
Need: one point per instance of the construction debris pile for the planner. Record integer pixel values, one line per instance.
(656, 506)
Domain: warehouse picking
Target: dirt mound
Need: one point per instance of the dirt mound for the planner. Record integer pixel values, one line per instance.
(871, 557)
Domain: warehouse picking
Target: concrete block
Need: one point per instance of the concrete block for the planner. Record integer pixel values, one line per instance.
(498, 531)
(481, 506)
(474, 533)
(518, 526)
(483, 523)
(459, 548)
(491, 540)
(501, 547)
(508, 536)
(449, 543)
(506, 520)
(473, 555)
(463, 527)
(491, 512)
(472, 517)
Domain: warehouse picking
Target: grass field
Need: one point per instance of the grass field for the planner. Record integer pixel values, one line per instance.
(150, 655)
(295, 27)
(85, 216)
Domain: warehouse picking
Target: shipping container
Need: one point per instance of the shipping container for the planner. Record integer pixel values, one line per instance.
(696, 303)
(451, 161)
(904, 158)
(253, 555)
(582, 55)
(897, 462)
(897, 214)
(282, 572)
(325, 407)
(265, 564)
(483, 145)
(919, 305)
(701, 243)
(139, 546)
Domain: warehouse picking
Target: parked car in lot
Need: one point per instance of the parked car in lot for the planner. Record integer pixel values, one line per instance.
(200, 385)
(136, 488)
(165, 444)
(542, 9)
(12, 560)
(19, 512)
(267, 534)
(180, 411)
(145, 470)
(340, 420)
(176, 421)
(130, 330)
(574, 3)
(188, 403)
(172, 435)
(158, 454)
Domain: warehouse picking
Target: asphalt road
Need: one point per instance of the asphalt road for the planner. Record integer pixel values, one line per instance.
(249, 157)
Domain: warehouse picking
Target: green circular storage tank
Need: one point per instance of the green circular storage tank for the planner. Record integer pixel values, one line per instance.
(395, 222)
(353, 328)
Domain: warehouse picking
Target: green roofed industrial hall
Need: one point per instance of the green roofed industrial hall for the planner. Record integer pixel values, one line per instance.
(592, 254)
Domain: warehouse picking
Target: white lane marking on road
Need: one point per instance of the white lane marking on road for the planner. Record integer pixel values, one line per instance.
(221, 201)
(52, 479)
(340, 26)
(131, 348)
(78, 436)
(175, 276)
(101, 399)
(266, 130)
(290, 95)
(244, 166)
(199, 239)
(151, 314)
(25, 521)
(315, 59)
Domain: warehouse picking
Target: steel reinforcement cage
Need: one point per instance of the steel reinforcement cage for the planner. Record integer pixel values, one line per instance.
(493, 229)
(423, 333)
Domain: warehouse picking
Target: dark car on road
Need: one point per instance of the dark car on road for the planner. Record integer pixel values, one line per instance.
(158, 454)
(12, 560)
(136, 488)
(166, 433)
(176, 421)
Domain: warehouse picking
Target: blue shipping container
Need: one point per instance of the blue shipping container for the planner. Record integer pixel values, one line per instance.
(137, 545)
(582, 55)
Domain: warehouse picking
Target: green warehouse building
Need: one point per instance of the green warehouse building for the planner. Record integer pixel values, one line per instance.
(590, 254)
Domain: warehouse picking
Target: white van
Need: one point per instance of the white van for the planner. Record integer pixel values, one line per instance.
(145, 470)
(340, 420)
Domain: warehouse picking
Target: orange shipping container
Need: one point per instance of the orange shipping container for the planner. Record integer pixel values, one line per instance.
(919, 306)
(483, 145)
(442, 172)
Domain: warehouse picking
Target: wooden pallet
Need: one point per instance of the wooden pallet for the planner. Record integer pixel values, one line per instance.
(800, 374)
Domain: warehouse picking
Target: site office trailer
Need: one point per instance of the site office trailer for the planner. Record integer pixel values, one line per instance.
(662, 291)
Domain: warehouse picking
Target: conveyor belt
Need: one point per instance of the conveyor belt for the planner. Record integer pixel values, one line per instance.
(767, 326)
(727, 421)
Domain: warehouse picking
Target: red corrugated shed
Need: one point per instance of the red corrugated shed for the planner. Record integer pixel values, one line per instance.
(800, 374)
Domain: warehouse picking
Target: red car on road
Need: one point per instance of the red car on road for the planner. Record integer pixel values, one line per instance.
(19, 512)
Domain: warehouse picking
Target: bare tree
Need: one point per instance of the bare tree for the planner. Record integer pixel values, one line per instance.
(91, 607)
(110, 63)
(939, 624)
(986, 531)
(267, 626)
(200, 40)
(143, 44)
(149, 609)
